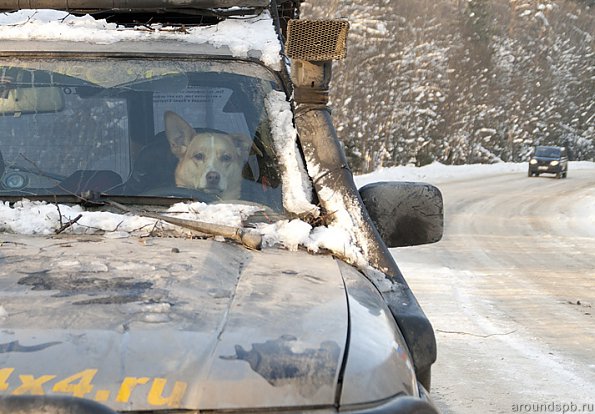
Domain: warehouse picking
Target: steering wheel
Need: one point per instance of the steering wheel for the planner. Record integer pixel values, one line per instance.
(16, 177)
(181, 192)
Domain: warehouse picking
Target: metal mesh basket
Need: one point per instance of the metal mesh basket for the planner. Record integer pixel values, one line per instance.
(316, 40)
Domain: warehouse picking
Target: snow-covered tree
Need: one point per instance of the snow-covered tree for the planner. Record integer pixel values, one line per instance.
(462, 81)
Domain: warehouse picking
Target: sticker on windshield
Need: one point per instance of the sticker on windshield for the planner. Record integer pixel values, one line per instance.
(202, 107)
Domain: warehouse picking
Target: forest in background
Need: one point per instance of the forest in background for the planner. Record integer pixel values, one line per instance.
(462, 81)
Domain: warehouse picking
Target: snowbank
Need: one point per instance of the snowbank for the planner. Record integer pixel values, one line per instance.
(436, 172)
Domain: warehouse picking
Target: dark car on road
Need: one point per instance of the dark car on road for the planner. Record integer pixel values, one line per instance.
(550, 160)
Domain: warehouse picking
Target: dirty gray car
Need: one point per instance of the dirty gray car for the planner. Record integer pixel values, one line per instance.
(127, 284)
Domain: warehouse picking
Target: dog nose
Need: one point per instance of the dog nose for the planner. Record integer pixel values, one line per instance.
(213, 178)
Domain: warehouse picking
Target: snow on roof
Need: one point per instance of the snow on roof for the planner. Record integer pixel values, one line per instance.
(239, 35)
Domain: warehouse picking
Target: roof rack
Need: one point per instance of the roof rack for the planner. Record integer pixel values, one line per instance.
(129, 5)
(132, 12)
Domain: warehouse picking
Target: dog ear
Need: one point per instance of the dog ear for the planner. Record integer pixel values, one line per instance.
(243, 143)
(179, 133)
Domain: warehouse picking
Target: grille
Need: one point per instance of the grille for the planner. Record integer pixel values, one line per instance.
(316, 40)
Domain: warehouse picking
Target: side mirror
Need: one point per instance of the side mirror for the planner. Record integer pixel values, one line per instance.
(405, 213)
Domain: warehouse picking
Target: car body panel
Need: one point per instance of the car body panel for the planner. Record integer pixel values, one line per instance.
(375, 345)
(272, 320)
(224, 321)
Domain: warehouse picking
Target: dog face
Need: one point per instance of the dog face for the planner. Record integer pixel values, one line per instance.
(207, 161)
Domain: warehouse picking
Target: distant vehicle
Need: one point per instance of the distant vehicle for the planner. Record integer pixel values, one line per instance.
(550, 160)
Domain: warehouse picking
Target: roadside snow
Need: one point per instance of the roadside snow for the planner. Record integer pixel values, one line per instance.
(437, 173)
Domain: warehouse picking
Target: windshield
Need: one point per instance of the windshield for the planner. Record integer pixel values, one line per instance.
(547, 152)
(151, 128)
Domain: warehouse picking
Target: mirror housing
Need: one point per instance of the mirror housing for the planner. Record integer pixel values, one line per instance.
(405, 213)
(31, 100)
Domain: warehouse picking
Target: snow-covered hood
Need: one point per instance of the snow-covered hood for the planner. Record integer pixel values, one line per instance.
(158, 323)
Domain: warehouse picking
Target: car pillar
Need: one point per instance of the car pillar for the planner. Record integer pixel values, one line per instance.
(312, 45)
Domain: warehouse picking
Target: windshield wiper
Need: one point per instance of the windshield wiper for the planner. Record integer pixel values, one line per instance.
(168, 83)
(38, 172)
(248, 237)
(89, 198)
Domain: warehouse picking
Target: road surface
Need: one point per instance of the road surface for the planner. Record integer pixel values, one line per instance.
(510, 291)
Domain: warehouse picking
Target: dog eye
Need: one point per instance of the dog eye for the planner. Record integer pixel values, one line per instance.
(199, 156)
(226, 157)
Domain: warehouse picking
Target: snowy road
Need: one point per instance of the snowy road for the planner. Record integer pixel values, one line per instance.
(510, 291)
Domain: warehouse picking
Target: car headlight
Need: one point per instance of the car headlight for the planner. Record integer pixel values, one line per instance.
(533, 161)
(554, 163)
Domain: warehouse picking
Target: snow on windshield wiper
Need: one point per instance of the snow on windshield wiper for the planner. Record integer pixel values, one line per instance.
(248, 237)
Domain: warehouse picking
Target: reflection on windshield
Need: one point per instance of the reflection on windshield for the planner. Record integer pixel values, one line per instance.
(547, 152)
(134, 128)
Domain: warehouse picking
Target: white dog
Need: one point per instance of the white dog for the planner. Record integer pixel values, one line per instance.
(208, 161)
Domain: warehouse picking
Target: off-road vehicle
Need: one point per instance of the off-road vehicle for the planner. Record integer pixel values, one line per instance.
(179, 227)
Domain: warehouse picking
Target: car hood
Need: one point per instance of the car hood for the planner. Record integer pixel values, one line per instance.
(159, 323)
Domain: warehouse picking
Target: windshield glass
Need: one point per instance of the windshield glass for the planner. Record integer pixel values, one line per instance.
(151, 128)
(547, 152)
